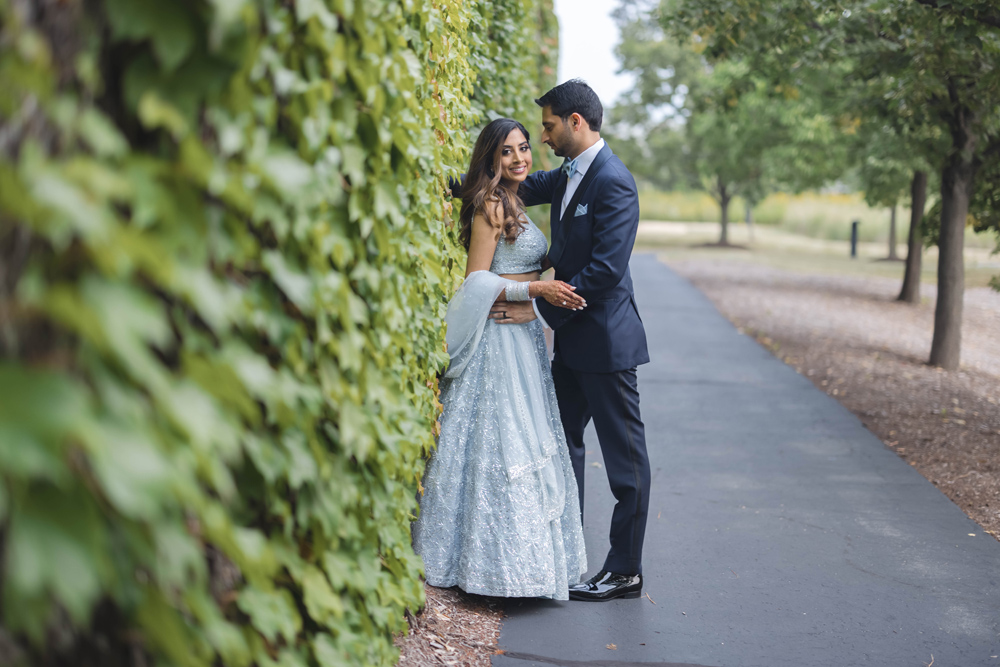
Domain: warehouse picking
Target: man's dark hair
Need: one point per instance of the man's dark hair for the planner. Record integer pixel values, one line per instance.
(574, 96)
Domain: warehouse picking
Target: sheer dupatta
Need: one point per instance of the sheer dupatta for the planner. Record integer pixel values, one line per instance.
(467, 317)
(527, 429)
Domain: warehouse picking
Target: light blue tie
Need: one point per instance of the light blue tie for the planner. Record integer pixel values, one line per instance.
(569, 167)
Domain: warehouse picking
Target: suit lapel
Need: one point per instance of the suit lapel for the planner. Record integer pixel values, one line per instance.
(560, 193)
(560, 232)
(595, 167)
(554, 220)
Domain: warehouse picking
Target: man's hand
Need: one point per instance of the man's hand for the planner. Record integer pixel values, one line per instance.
(512, 312)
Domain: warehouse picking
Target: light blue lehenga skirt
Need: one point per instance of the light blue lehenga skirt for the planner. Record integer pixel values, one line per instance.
(500, 513)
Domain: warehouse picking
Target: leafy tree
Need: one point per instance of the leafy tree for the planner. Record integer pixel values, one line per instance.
(717, 126)
(884, 172)
(929, 61)
(891, 171)
(731, 130)
(748, 138)
(648, 123)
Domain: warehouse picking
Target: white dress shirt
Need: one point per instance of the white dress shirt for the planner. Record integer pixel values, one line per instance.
(584, 160)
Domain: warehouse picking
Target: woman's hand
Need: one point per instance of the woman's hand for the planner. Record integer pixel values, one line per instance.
(558, 293)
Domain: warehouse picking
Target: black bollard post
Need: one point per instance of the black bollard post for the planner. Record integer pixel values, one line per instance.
(854, 239)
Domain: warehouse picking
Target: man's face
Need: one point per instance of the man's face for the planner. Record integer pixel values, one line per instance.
(557, 133)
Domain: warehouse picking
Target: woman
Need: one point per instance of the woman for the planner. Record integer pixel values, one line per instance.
(500, 513)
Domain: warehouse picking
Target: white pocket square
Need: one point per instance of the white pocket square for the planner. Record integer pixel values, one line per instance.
(581, 209)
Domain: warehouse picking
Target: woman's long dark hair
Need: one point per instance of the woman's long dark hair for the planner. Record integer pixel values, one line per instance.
(483, 184)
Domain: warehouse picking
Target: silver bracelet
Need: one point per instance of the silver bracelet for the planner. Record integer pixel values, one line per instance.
(517, 292)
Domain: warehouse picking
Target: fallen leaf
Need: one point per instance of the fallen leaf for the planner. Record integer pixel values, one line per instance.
(611, 647)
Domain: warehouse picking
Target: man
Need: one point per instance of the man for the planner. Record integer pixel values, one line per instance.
(595, 215)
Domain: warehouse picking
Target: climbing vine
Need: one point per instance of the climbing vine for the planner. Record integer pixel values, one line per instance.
(224, 260)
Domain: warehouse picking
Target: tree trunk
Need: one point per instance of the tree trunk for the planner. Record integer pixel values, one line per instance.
(724, 199)
(915, 244)
(892, 234)
(957, 180)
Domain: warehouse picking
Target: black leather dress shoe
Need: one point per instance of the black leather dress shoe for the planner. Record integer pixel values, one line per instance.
(607, 586)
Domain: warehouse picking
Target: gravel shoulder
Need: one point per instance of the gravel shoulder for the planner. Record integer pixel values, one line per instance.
(855, 342)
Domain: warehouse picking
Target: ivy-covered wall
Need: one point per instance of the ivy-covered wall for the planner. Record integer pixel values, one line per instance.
(224, 259)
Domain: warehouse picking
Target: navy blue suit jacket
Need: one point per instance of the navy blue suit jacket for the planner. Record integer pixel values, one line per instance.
(590, 250)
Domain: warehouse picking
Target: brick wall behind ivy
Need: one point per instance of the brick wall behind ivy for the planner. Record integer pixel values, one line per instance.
(224, 260)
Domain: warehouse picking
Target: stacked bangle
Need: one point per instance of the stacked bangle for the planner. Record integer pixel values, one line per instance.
(517, 291)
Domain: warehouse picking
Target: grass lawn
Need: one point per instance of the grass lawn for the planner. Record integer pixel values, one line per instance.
(785, 250)
(816, 215)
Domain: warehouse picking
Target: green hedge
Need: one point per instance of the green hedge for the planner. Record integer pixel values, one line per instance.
(224, 261)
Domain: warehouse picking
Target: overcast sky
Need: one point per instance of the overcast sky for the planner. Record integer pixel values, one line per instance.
(587, 39)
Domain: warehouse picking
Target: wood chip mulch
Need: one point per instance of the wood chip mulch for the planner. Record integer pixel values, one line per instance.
(857, 343)
(455, 628)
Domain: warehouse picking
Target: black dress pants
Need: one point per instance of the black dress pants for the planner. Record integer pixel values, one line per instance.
(612, 401)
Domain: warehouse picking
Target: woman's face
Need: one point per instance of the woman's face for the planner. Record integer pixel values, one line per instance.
(515, 157)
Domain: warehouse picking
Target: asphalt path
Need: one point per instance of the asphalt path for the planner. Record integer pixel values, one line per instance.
(782, 533)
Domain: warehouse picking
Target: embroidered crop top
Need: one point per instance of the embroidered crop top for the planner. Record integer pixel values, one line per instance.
(523, 255)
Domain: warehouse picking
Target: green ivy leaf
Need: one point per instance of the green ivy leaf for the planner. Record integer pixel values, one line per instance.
(136, 476)
(168, 25)
(273, 613)
(323, 605)
(288, 173)
(155, 112)
(302, 466)
(101, 135)
(38, 412)
(179, 559)
(57, 547)
(166, 631)
(296, 285)
(328, 654)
